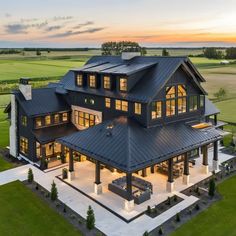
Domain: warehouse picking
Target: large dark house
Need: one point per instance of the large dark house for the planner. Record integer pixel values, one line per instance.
(130, 114)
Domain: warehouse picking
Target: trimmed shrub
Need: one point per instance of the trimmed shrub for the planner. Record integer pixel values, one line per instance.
(149, 211)
(37, 186)
(160, 231)
(177, 217)
(90, 219)
(64, 208)
(64, 173)
(175, 198)
(54, 193)
(168, 201)
(197, 207)
(30, 176)
(212, 188)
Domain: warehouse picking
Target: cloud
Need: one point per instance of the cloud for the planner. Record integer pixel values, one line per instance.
(87, 23)
(7, 15)
(16, 29)
(61, 18)
(53, 28)
(71, 32)
(28, 20)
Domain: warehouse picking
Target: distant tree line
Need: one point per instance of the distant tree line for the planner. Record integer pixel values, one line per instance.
(10, 51)
(215, 53)
(116, 48)
(57, 49)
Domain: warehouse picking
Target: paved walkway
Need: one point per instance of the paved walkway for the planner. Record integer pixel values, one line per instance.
(105, 221)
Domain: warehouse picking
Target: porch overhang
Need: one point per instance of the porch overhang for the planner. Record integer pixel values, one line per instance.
(130, 147)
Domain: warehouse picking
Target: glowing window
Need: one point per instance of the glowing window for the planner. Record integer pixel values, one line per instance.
(156, 110)
(24, 120)
(170, 92)
(56, 118)
(137, 108)
(24, 145)
(123, 84)
(108, 102)
(121, 105)
(170, 107)
(92, 81)
(38, 122)
(107, 82)
(79, 79)
(47, 120)
(193, 103)
(65, 116)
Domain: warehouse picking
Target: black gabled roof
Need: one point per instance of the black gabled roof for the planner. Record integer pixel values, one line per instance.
(49, 134)
(131, 147)
(44, 101)
(210, 108)
(157, 72)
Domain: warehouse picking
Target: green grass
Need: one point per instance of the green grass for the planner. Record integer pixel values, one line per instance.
(217, 220)
(4, 165)
(227, 110)
(14, 69)
(4, 129)
(23, 213)
(4, 100)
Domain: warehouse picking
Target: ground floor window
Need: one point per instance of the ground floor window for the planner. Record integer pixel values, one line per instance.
(24, 145)
(170, 107)
(121, 105)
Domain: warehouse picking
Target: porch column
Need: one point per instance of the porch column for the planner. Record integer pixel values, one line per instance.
(129, 202)
(205, 166)
(71, 173)
(170, 181)
(215, 156)
(144, 172)
(63, 157)
(43, 163)
(97, 183)
(215, 119)
(153, 169)
(186, 169)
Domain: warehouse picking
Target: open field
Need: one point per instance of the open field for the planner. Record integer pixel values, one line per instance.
(219, 219)
(5, 165)
(228, 110)
(23, 213)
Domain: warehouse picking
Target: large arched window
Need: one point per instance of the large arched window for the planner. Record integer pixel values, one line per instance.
(170, 101)
(182, 100)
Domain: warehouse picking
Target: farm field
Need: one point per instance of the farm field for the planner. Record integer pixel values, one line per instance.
(38, 217)
(217, 220)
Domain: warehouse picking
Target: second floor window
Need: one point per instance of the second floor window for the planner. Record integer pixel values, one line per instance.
(170, 101)
(137, 108)
(193, 103)
(123, 84)
(38, 122)
(92, 81)
(182, 101)
(202, 100)
(79, 79)
(107, 82)
(156, 110)
(24, 145)
(84, 119)
(47, 120)
(108, 102)
(121, 105)
(24, 120)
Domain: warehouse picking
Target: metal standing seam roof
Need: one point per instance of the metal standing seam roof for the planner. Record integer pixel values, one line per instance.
(131, 147)
(44, 101)
(210, 108)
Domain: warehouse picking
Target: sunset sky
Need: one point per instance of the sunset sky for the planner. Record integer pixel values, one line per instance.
(77, 23)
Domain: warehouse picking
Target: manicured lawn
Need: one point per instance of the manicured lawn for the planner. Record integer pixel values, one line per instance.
(4, 165)
(227, 110)
(219, 219)
(4, 129)
(23, 213)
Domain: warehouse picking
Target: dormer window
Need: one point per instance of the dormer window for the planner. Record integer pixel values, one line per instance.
(123, 84)
(107, 82)
(92, 81)
(79, 79)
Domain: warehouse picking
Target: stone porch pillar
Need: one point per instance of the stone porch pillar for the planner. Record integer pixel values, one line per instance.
(129, 202)
(71, 173)
(170, 181)
(215, 156)
(205, 167)
(186, 169)
(43, 163)
(97, 183)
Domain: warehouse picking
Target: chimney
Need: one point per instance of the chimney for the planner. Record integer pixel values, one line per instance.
(25, 88)
(129, 55)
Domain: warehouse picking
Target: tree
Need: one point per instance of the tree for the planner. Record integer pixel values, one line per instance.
(230, 53)
(165, 53)
(116, 48)
(221, 94)
(145, 233)
(90, 220)
(30, 176)
(38, 53)
(54, 193)
(213, 53)
(212, 188)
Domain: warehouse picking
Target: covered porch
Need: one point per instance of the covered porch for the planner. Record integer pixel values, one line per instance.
(84, 177)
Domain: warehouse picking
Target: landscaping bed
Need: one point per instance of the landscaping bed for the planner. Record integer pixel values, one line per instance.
(163, 206)
(71, 216)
